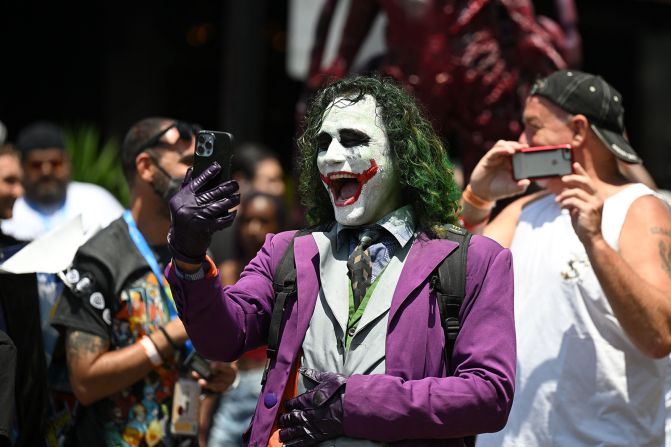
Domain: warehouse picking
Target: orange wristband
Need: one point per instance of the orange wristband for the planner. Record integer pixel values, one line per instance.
(472, 227)
(213, 270)
(476, 201)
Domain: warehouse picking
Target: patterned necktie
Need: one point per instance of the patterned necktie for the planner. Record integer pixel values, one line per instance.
(360, 266)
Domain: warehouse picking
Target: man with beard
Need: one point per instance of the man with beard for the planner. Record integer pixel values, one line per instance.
(124, 345)
(51, 199)
(360, 359)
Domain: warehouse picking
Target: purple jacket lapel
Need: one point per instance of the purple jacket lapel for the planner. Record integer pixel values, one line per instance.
(307, 280)
(306, 256)
(424, 256)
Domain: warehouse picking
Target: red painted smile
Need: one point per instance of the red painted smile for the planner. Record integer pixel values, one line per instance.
(346, 186)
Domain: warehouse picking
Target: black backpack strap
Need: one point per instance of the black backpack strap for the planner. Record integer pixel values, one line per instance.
(284, 286)
(450, 288)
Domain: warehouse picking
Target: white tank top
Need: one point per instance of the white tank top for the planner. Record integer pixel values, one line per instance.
(580, 380)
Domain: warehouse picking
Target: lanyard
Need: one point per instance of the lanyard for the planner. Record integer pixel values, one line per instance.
(148, 255)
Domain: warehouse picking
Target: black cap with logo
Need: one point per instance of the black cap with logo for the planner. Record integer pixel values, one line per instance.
(586, 94)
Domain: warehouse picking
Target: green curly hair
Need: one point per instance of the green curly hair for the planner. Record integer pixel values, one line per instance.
(426, 173)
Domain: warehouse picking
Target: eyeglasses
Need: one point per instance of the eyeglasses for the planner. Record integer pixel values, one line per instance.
(186, 132)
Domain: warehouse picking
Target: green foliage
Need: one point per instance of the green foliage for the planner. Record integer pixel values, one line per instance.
(96, 162)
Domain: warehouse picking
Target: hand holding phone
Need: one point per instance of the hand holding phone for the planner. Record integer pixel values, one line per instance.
(542, 162)
(491, 178)
(205, 202)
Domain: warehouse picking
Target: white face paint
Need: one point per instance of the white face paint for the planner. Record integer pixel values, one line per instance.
(355, 162)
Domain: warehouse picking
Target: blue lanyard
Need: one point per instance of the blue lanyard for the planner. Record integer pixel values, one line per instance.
(148, 255)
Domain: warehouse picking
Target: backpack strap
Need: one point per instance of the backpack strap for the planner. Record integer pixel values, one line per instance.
(450, 288)
(284, 286)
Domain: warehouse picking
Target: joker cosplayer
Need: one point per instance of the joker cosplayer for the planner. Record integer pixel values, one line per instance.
(363, 330)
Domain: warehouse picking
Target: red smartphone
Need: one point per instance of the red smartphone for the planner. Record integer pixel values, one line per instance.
(543, 162)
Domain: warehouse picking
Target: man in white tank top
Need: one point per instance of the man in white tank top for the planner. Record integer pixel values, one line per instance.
(592, 261)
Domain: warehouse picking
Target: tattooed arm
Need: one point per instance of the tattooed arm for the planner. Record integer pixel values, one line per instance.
(637, 281)
(96, 372)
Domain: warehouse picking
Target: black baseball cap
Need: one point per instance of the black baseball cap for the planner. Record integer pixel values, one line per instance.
(582, 93)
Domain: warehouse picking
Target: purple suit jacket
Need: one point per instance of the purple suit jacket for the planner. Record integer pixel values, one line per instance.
(412, 403)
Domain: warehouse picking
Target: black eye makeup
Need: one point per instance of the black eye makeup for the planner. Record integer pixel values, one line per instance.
(352, 137)
(323, 141)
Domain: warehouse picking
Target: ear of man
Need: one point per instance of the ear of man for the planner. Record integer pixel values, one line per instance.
(580, 128)
(145, 167)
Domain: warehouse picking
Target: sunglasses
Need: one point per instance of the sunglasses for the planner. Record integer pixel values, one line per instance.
(36, 165)
(186, 132)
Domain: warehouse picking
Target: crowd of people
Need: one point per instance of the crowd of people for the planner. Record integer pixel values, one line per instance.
(89, 379)
(402, 314)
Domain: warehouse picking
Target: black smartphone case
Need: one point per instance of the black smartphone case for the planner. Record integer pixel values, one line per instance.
(213, 146)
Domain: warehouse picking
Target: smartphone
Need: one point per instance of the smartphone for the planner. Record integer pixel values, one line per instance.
(198, 363)
(213, 146)
(543, 162)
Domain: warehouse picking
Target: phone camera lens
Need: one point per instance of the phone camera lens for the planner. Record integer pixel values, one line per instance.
(205, 146)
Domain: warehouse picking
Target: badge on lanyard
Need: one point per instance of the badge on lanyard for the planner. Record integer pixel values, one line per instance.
(185, 404)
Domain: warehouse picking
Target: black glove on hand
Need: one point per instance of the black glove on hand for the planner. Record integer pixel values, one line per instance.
(315, 415)
(196, 214)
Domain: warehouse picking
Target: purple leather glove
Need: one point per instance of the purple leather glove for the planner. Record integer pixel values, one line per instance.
(196, 214)
(315, 415)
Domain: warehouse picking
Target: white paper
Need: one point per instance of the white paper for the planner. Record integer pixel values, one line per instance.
(50, 253)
